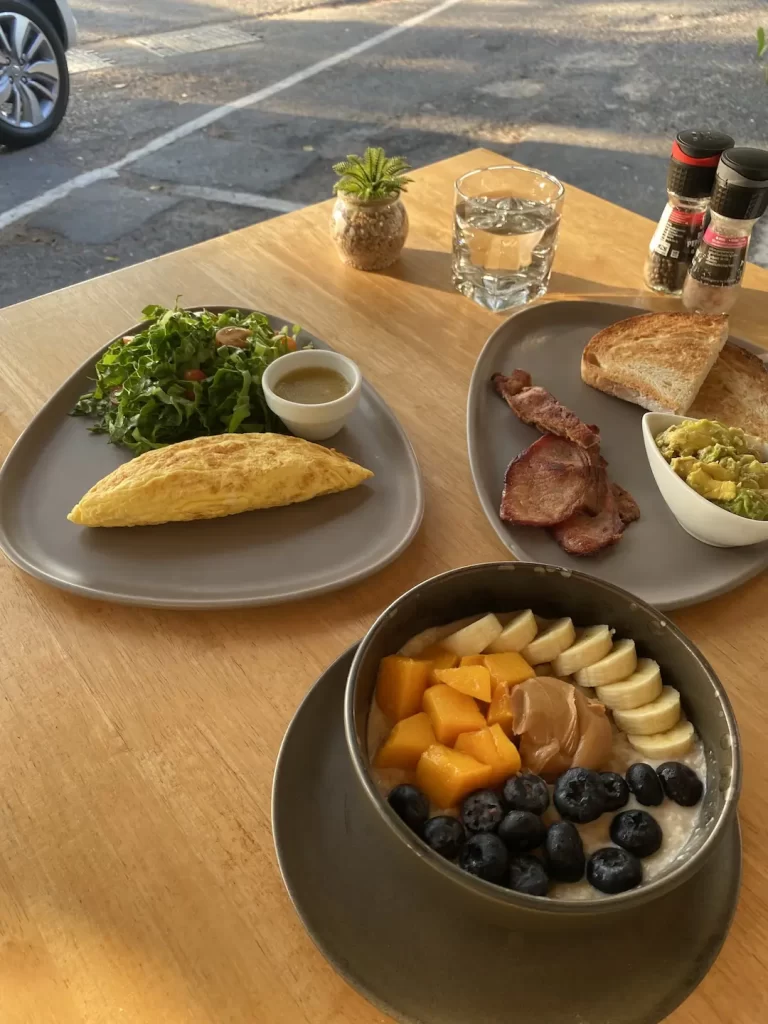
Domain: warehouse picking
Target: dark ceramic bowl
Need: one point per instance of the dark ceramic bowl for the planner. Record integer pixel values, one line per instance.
(554, 592)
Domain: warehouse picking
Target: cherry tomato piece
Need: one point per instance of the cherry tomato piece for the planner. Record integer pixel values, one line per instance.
(194, 375)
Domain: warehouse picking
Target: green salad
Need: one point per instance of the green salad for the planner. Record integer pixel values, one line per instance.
(185, 375)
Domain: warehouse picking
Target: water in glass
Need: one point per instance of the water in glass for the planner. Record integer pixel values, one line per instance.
(503, 249)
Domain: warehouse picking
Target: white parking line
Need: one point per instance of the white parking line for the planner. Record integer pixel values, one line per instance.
(219, 195)
(45, 199)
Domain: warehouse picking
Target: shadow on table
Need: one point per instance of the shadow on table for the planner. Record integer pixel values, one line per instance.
(432, 269)
(426, 267)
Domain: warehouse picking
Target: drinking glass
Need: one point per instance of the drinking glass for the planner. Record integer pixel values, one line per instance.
(505, 234)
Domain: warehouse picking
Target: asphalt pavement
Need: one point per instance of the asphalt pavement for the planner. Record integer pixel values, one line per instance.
(191, 118)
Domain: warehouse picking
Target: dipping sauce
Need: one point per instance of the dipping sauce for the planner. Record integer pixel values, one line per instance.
(313, 385)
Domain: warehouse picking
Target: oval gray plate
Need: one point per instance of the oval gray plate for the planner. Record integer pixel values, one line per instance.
(255, 558)
(655, 559)
(425, 953)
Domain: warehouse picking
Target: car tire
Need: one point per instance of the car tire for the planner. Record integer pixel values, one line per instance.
(17, 136)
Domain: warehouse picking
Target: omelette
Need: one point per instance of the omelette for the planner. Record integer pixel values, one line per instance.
(220, 475)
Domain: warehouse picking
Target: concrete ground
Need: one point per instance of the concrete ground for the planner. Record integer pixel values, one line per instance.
(591, 91)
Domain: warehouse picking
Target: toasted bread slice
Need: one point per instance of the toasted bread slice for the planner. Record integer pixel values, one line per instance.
(657, 360)
(735, 392)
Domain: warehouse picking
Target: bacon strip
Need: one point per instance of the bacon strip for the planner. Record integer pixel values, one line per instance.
(537, 407)
(629, 510)
(547, 483)
(586, 535)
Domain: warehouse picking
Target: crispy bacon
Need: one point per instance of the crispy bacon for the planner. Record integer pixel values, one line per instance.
(537, 407)
(561, 480)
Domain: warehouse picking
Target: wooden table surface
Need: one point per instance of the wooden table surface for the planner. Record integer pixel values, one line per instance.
(138, 881)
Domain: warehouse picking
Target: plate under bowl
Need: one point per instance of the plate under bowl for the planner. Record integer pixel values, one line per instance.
(655, 559)
(427, 956)
(255, 558)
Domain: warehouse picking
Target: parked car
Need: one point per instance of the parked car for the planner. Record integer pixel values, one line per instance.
(34, 79)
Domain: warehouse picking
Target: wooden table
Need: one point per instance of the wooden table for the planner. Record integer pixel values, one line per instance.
(138, 881)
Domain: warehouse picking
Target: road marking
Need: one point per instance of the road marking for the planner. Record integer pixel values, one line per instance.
(45, 199)
(194, 40)
(87, 60)
(218, 195)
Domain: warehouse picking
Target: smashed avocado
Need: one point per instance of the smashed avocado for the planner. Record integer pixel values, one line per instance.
(720, 463)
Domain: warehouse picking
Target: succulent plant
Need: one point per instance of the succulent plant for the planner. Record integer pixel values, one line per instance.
(372, 176)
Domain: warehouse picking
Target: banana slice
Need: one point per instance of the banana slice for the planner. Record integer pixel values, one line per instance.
(642, 687)
(593, 644)
(551, 641)
(475, 638)
(660, 715)
(618, 664)
(665, 746)
(516, 634)
(433, 635)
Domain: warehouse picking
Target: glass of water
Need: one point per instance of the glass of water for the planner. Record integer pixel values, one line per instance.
(505, 234)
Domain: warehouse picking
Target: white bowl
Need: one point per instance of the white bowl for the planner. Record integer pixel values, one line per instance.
(697, 515)
(312, 422)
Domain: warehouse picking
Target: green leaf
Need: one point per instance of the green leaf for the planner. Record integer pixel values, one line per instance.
(374, 176)
(761, 41)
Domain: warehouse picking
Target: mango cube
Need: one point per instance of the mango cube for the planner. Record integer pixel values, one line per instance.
(437, 657)
(400, 686)
(451, 713)
(500, 711)
(408, 740)
(493, 747)
(472, 659)
(508, 667)
(447, 776)
(474, 680)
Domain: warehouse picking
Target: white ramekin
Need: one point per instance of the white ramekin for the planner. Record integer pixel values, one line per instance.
(697, 515)
(313, 422)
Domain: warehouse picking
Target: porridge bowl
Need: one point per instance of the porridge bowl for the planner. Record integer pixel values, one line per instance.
(542, 740)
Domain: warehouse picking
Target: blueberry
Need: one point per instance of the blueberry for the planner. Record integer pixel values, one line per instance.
(486, 856)
(580, 795)
(617, 790)
(680, 783)
(564, 852)
(445, 835)
(527, 874)
(411, 805)
(612, 870)
(522, 831)
(636, 831)
(644, 783)
(482, 811)
(526, 792)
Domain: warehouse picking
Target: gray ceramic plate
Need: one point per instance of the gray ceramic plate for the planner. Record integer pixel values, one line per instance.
(428, 955)
(656, 559)
(255, 558)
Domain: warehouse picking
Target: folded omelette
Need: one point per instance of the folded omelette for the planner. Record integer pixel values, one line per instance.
(209, 477)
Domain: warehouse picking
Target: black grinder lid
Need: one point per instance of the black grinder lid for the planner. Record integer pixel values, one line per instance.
(695, 156)
(741, 184)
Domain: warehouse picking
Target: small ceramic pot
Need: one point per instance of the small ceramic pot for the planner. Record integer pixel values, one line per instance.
(369, 233)
(313, 422)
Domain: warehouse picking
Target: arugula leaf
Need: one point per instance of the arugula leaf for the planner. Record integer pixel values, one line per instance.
(142, 400)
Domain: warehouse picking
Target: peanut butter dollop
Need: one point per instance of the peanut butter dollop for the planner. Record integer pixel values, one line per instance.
(559, 728)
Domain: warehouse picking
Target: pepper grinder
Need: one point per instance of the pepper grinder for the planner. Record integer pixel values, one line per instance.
(691, 174)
